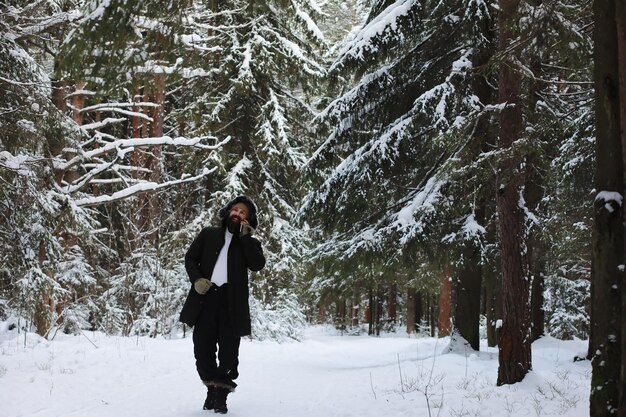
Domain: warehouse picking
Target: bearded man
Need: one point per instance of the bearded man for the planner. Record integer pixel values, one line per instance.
(217, 263)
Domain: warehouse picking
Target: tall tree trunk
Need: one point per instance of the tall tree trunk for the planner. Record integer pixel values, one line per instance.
(608, 230)
(378, 309)
(537, 315)
(54, 302)
(355, 309)
(431, 315)
(493, 306)
(137, 161)
(514, 358)
(154, 159)
(392, 304)
(411, 326)
(147, 215)
(620, 13)
(43, 316)
(445, 301)
(369, 312)
(533, 193)
(321, 314)
(340, 314)
(467, 306)
(492, 284)
(419, 310)
(468, 285)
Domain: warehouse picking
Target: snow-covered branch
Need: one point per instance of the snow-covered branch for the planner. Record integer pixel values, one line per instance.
(20, 163)
(46, 24)
(123, 146)
(141, 187)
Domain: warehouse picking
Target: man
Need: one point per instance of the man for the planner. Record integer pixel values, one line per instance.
(217, 263)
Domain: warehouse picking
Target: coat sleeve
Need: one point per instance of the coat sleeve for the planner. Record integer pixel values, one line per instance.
(253, 252)
(194, 256)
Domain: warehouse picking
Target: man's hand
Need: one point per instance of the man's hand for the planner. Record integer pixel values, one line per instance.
(245, 229)
(202, 285)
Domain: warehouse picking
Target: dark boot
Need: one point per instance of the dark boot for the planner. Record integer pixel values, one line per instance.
(210, 398)
(220, 400)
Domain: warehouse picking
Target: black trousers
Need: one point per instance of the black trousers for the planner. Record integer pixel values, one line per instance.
(213, 333)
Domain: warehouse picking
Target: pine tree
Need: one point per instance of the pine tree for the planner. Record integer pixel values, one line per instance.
(47, 275)
(395, 134)
(89, 164)
(248, 75)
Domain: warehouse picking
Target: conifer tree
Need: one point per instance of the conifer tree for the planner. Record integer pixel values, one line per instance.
(248, 76)
(392, 136)
(47, 276)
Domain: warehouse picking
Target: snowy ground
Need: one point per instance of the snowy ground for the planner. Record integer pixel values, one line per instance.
(325, 375)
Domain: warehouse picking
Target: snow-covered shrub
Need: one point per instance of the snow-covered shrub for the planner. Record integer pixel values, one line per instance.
(566, 303)
(282, 320)
(144, 297)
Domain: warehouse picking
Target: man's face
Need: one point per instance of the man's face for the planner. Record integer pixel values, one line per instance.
(239, 213)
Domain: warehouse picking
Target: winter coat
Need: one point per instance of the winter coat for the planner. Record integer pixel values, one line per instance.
(243, 253)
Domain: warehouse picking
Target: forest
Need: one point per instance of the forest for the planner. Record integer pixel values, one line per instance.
(442, 167)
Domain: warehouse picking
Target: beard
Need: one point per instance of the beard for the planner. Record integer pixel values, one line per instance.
(233, 223)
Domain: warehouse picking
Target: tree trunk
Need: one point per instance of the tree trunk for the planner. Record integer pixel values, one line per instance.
(492, 284)
(535, 254)
(608, 230)
(620, 13)
(321, 314)
(147, 215)
(392, 304)
(411, 326)
(493, 307)
(378, 310)
(467, 306)
(445, 301)
(534, 250)
(355, 309)
(154, 159)
(340, 315)
(514, 358)
(533, 193)
(468, 285)
(537, 315)
(429, 314)
(42, 317)
(419, 310)
(369, 312)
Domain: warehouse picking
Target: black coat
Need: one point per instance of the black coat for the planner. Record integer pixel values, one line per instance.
(243, 253)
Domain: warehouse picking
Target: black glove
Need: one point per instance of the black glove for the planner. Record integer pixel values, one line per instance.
(202, 285)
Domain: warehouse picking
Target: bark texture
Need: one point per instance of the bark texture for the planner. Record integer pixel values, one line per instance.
(444, 322)
(514, 342)
(608, 230)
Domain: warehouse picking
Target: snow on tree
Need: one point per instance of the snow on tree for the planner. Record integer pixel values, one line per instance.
(395, 135)
(69, 163)
(43, 270)
(248, 73)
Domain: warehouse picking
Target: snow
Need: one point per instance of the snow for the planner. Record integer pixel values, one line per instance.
(386, 21)
(310, 23)
(607, 197)
(138, 188)
(18, 163)
(324, 375)
(471, 227)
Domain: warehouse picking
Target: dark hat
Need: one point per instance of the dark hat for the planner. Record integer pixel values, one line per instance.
(254, 222)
